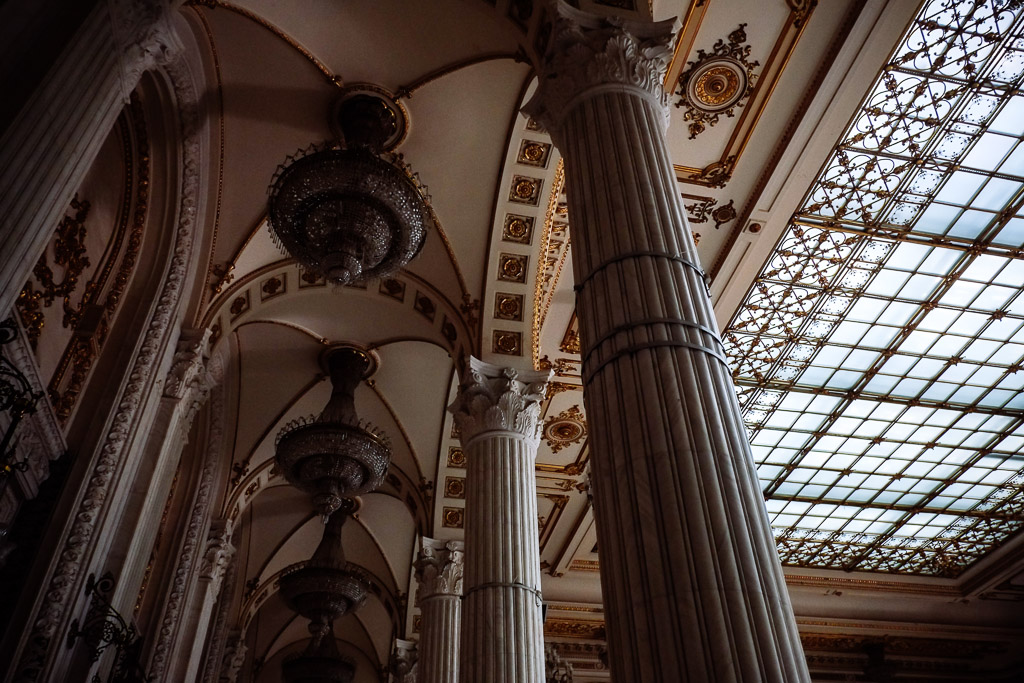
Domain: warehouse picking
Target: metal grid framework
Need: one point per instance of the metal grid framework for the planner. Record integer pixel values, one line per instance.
(878, 355)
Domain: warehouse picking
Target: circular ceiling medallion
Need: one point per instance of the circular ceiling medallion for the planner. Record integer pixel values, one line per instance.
(717, 85)
(566, 428)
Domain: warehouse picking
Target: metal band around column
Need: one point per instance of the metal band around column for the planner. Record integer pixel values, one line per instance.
(634, 254)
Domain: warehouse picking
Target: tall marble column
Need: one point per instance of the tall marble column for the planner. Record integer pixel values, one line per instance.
(692, 584)
(439, 573)
(498, 415)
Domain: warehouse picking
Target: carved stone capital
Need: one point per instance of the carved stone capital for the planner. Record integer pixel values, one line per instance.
(493, 398)
(439, 568)
(556, 669)
(192, 375)
(217, 553)
(144, 36)
(234, 657)
(188, 367)
(404, 661)
(589, 54)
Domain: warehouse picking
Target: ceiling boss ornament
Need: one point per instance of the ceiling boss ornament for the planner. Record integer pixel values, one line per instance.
(717, 82)
(565, 429)
(351, 210)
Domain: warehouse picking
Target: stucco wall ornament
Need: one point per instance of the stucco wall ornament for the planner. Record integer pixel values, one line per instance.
(439, 569)
(715, 83)
(588, 55)
(565, 429)
(499, 399)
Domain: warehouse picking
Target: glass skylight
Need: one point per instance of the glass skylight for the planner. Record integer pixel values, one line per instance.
(878, 356)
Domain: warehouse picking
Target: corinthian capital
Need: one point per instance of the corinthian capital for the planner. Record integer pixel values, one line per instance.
(439, 568)
(589, 54)
(494, 398)
(218, 553)
(145, 37)
(188, 370)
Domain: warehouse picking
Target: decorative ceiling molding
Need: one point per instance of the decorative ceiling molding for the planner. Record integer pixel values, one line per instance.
(718, 173)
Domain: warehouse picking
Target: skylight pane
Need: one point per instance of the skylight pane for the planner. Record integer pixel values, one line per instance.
(892, 347)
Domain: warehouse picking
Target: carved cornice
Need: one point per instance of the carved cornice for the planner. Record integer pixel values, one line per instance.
(497, 399)
(439, 568)
(589, 54)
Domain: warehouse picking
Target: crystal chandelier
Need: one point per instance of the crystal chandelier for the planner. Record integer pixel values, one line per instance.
(352, 211)
(336, 454)
(325, 587)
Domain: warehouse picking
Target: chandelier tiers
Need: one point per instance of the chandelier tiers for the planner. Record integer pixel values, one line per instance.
(326, 587)
(320, 662)
(352, 211)
(336, 454)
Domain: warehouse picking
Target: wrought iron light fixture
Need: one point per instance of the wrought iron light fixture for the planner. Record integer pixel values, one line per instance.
(17, 399)
(336, 454)
(352, 211)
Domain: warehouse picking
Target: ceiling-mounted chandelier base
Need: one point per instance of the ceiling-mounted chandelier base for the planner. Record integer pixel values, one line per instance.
(367, 115)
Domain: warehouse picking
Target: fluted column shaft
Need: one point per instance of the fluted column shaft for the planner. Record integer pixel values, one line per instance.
(497, 412)
(439, 571)
(693, 587)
